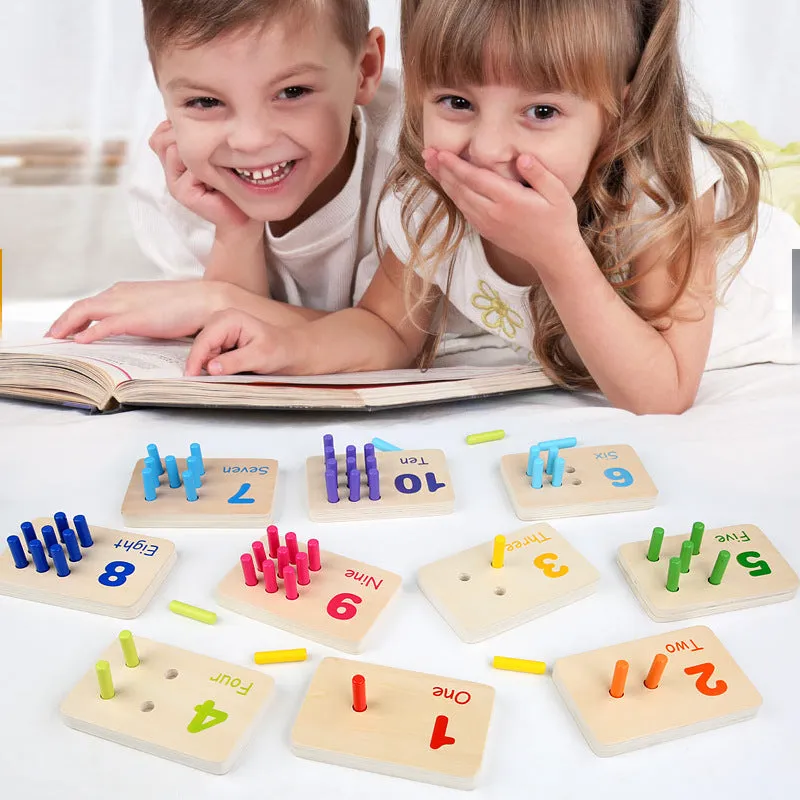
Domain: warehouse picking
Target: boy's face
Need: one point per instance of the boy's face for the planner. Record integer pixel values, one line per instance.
(264, 117)
(491, 126)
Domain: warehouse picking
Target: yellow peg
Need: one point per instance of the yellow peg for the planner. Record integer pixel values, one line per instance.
(103, 670)
(129, 649)
(499, 552)
(280, 656)
(519, 665)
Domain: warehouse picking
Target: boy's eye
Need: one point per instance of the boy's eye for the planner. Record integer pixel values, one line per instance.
(294, 92)
(455, 103)
(203, 103)
(542, 112)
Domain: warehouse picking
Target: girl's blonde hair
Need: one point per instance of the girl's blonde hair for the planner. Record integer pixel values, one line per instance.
(594, 49)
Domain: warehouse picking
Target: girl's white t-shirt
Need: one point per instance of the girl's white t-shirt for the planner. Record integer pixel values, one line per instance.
(753, 318)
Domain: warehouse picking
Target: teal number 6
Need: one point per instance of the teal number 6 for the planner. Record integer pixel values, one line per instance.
(619, 476)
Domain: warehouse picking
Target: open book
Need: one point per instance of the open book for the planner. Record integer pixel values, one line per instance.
(127, 372)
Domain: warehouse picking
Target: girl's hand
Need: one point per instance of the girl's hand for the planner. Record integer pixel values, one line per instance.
(537, 224)
(195, 195)
(234, 342)
(161, 309)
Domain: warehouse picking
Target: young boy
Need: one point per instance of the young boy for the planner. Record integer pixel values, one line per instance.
(276, 114)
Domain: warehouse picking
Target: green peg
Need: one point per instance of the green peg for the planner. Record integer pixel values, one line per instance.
(687, 548)
(720, 565)
(656, 540)
(673, 574)
(698, 529)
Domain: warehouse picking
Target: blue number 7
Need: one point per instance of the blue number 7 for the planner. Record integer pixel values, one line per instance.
(239, 498)
(619, 476)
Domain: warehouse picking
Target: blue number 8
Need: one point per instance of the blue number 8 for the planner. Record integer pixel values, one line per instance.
(116, 573)
(619, 476)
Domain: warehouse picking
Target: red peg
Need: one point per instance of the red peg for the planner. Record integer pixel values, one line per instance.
(250, 577)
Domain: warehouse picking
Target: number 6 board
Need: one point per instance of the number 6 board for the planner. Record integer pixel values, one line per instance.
(413, 483)
(597, 480)
(702, 688)
(416, 726)
(117, 576)
(338, 608)
(541, 573)
(174, 704)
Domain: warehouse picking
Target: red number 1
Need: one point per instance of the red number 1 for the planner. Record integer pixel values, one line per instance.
(439, 736)
(705, 671)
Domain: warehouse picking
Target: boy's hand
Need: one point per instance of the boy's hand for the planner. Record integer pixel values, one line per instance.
(538, 224)
(161, 309)
(195, 195)
(234, 342)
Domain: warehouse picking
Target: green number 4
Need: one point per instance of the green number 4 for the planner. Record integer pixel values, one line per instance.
(207, 717)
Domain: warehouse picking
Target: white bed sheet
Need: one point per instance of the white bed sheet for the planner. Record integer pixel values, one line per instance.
(730, 459)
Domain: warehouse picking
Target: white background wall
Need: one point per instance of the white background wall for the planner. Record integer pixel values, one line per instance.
(81, 65)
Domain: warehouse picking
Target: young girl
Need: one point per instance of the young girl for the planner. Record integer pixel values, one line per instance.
(553, 189)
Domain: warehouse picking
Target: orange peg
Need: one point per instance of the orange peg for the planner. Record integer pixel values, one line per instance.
(656, 671)
(618, 681)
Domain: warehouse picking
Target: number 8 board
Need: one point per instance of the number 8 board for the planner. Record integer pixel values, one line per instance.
(597, 480)
(116, 576)
(702, 688)
(338, 608)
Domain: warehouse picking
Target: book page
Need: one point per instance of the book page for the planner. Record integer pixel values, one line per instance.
(132, 359)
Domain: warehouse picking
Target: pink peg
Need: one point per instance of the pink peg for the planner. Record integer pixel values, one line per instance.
(283, 560)
(258, 554)
(291, 543)
(270, 581)
(274, 541)
(250, 577)
(290, 583)
(314, 563)
(303, 576)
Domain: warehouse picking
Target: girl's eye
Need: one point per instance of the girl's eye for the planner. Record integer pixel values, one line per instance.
(542, 112)
(294, 92)
(455, 103)
(203, 103)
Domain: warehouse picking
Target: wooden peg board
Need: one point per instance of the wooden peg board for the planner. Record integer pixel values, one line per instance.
(117, 576)
(542, 572)
(417, 726)
(597, 480)
(236, 493)
(702, 688)
(170, 692)
(414, 483)
(339, 608)
(757, 574)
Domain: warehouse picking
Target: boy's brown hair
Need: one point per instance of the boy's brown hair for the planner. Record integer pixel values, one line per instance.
(191, 23)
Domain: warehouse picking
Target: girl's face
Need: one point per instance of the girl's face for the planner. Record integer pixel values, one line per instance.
(491, 126)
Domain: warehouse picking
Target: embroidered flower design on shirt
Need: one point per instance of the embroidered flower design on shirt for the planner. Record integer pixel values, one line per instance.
(496, 313)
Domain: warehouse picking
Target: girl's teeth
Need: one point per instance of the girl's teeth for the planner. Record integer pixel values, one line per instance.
(267, 176)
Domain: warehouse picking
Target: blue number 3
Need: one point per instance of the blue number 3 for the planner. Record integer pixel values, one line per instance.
(619, 476)
(116, 573)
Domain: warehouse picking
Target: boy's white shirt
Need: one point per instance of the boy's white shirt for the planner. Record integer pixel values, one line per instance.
(752, 322)
(316, 264)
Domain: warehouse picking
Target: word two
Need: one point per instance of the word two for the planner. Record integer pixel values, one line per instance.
(395, 722)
